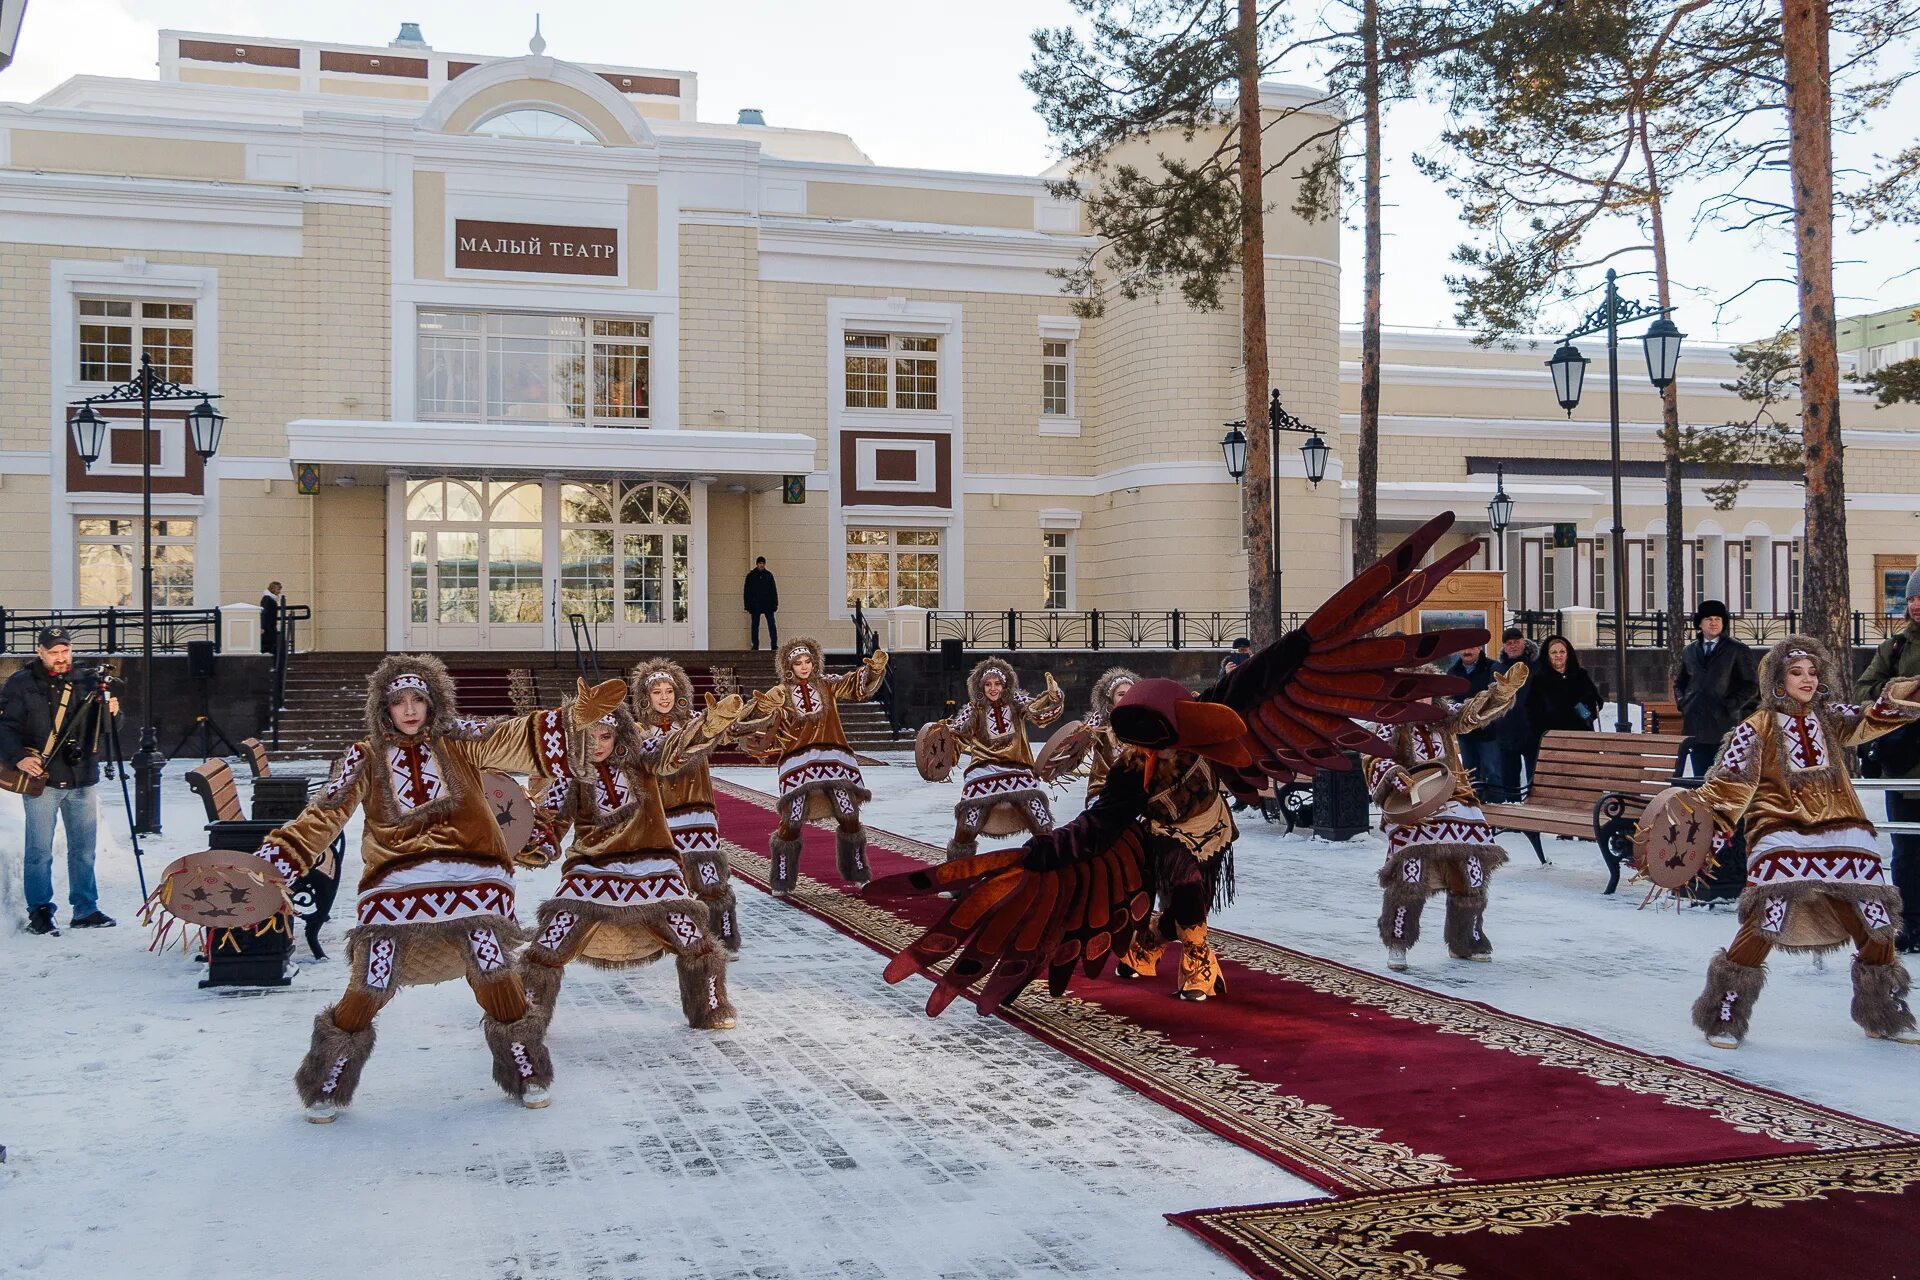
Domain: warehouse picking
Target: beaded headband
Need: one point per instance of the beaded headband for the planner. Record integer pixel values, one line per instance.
(653, 678)
(406, 681)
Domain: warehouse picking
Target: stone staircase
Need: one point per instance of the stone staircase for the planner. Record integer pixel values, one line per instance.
(327, 693)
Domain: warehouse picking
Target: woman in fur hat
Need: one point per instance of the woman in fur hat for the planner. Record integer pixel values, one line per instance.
(663, 702)
(1106, 748)
(799, 722)
(623, 898)
(1814, 877)
(436, 885)
(999, 794)
(1452, 849)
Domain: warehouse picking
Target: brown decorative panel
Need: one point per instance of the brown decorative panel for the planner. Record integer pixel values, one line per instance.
(123, 449)
(663, 85)
(459, 68)
(372, 64)
(254, 55)
(896, 465)
(536, 247)
(123, 446)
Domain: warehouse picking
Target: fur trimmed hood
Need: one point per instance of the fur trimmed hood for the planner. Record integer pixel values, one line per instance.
(650, 671)
(1773, 669)
(976, 681)
(1103, 688)
(411, 668)
(782, 658)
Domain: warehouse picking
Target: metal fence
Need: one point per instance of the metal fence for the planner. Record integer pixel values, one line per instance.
(1649, 630)
(111, 630)
(1009, 629)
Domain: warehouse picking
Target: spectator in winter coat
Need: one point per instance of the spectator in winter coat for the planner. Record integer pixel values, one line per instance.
(1561, 695)
(1515, 737)
(760, 595)
(1899, 754)
(1715, 689)
(1479, 751)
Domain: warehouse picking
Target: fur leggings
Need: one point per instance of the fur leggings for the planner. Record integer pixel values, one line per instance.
(1736, 974)
(850, 841)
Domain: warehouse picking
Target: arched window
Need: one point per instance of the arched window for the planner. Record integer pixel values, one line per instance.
(535, 123)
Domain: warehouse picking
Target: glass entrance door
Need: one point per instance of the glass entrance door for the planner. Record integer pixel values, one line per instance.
(476, 568)
(625, 563)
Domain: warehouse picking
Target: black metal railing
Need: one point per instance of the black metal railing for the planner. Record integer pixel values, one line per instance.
(1008, 629)
(866, 643)
(585, 656)
(1537, 624)
(286, 644)
(111, 630)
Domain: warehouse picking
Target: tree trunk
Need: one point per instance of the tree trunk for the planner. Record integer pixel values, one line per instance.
(1676, 536)
(1366, 526)
(1825, 586)
(1263, 601)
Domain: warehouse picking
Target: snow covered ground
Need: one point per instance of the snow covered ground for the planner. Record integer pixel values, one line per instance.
(151, 1128)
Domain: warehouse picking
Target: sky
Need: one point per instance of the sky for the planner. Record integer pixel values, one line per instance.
(936, 84)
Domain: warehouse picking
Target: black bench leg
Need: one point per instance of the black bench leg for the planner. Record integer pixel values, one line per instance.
(1613, 868)
(1533, 838)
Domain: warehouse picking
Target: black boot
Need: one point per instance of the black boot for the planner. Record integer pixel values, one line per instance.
(95, 919)
(40, 920)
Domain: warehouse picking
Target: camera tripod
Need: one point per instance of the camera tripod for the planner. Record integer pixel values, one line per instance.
(205, 725)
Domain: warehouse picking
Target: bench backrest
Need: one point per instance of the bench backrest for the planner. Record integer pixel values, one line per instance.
(213, 783)
(1576, 768)
(256, 753)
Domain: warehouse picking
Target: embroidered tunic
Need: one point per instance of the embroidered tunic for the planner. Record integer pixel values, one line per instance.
(802, 721)
(994, 736)
(687, 797)
(1460, 820)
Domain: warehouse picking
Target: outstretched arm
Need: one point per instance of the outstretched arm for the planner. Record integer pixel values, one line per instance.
(1492, 702)
(297, 846)
(536, 743)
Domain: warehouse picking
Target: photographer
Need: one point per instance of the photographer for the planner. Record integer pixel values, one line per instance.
(36, 704)
(1898, 756)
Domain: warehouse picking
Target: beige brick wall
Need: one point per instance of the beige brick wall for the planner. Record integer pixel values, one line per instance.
(267, 538)
(349, 567)
(24, 569)
(720, 322)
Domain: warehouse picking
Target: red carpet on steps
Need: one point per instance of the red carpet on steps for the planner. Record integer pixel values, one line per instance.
(1374, 1089)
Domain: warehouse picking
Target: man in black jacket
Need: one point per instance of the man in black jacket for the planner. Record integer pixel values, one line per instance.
(761, 595)
(1715, 689)
(1898, 755)
(1480, 750)
(36, 704)
(1518, 741)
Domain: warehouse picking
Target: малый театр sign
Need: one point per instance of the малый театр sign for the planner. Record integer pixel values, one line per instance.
(533, 246)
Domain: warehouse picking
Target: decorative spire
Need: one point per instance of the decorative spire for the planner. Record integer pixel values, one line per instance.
(537, 45)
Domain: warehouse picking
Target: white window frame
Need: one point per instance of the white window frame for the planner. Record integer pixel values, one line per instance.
(1065, 523)
(137, 325)
(132, 541)
(896, 352)
(893, 550)
(590, 343)
(1061, 329)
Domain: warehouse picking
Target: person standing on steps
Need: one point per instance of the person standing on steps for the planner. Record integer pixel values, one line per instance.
(760, 595)
(272, 602)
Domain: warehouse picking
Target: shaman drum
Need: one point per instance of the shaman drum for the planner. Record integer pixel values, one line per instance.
(936, 751)
(1673, 842)
(220, 889)
(1430, 787)
(511, 808)
(1063, 751)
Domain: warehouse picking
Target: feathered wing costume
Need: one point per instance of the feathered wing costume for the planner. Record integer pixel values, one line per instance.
(1073, 897)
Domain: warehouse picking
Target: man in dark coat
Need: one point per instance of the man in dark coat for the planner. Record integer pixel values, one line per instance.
(761, 597)
(36, 703)
(1480, 750)
(271, 603)
(1899, 755)
(1715, 689)
(1518, 741)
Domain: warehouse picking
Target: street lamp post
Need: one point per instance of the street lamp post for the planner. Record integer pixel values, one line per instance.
(1500, 512)
(1313, 457)
(204, 424)
(1661, 343)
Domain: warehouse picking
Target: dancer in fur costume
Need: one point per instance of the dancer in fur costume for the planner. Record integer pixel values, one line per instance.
(1076, 896)
(663, 702)
(1451, 850)
(1814, 877)
(623, 899)
(799, 721)
(999, 794)
(1106, 748)
(436, 888)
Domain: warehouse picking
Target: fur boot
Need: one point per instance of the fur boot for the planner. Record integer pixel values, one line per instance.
(724, 916)
(1465, 936)
(1879, 998)
(1200, 973)
(331, 1069)
(520, 1056)
(786, 865)
(1726, 1005)
(703, 991)
(1400, 909)
(542, 985)
(850, 852)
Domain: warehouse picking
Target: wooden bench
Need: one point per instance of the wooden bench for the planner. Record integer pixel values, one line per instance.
(229, 828)
(1592, 786)
(213, 783)
(256, 753)
(1662, 717)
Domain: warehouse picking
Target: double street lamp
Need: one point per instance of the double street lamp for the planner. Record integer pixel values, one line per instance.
(1661, 344)
(89, 428)
(1314, 453)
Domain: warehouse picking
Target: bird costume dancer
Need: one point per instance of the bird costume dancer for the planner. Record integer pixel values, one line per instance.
(799, 720)
(1814, 877)
(623, 899)
(1074, 896)
(1105, 748)
(999, 793)
(663, 702)
(1450, 850)
(436, 888)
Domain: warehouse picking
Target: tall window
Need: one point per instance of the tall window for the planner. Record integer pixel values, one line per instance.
(1057, 569)
(109, 553)
(1602, 584)
(1549, 584)
(1056, 378)
(114, 332)
(892, 371)
(888, 567)
(515, 367)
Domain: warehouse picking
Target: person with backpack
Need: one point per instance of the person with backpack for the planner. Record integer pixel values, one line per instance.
(1898, 756)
